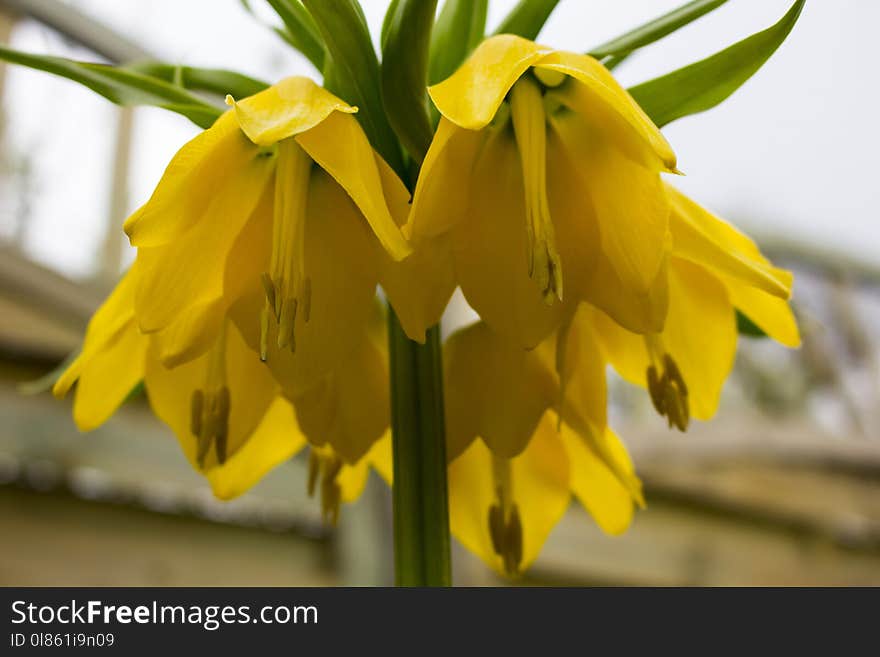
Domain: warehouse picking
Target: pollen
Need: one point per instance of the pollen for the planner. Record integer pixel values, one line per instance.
(209, 407)
(530, 129)
(287, 286)
(666, 386)
(505, 524)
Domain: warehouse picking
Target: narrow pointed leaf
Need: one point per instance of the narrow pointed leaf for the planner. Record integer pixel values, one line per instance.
(656, 29)
(300, 30)
(121, 86)
(704, 84)
(527, 18)
(210, 80)
(355, 70)
(459, 29)
(405, 74)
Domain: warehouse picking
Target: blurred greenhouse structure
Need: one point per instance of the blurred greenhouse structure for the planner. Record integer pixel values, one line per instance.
(783, 488)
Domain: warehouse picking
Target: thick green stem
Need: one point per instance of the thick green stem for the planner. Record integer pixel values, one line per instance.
(421, 513)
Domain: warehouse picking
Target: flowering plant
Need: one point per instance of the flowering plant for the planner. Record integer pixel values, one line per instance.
(526, 176)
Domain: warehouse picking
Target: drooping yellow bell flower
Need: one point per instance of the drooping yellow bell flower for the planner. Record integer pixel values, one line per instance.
(546, 175)
(713, 270)
(283, 200)
(225, 408)
(514, 461)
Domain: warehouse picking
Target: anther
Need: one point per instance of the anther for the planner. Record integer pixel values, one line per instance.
(269, 287)
(196, 404)
(668, 391)
(264, 333)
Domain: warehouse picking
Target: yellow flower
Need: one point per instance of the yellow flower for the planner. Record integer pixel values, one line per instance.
(228, 413)
(546, 175)
(278, 215)
(514, 460)
(713, 269)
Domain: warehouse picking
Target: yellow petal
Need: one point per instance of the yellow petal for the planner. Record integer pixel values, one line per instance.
(596, 486)
(293, 106)
(444, 186)
(340, 147)
(625, 350)
(108, 377)
(575, 223)
(472, 95)
(350, 408)
(114, 316)
(275, 440)
(419, 286)
(495, 390)
(700, 334)
(190, 271)
(540, 481)
(340, 266)
(490, 250)
(628, 198)
(352, 479)
(203, 178)
(770, 313)
(381, 458)
(701, 237)
(597, 96)
(639, 312)
(251, 389)
(583, 373)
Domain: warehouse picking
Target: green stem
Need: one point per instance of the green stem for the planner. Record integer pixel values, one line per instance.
(421, 513)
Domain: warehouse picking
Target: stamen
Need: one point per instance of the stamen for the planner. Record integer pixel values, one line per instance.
(286, 284)
(505, 526)
(209, 406)
(666, 386)
(326, 466)
(530, 128)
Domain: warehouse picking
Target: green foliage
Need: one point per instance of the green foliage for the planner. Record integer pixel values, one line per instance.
(121, 86)
(656, 29)
(210, 80)
(352, 70)
(405, 73)
(704, 84)
(527, 18)
(459, 29)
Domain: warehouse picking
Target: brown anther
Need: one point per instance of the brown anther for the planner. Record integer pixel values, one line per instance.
(196, 405)
(669, 393)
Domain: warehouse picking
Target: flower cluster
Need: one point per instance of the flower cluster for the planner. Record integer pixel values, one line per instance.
(252, 319)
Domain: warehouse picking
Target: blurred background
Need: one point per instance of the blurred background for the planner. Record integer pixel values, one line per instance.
(782, 488)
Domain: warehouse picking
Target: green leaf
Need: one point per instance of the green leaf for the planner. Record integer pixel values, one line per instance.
(656, 29)
(405, 74)
(527, 18)
(300, 30)
(121, 86)
(211, 80)
(747, 327)
(386, 22)
(704, 84)
(459, 29)
(353, 69)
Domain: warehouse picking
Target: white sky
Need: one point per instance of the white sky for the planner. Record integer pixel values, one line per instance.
(791, 155)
